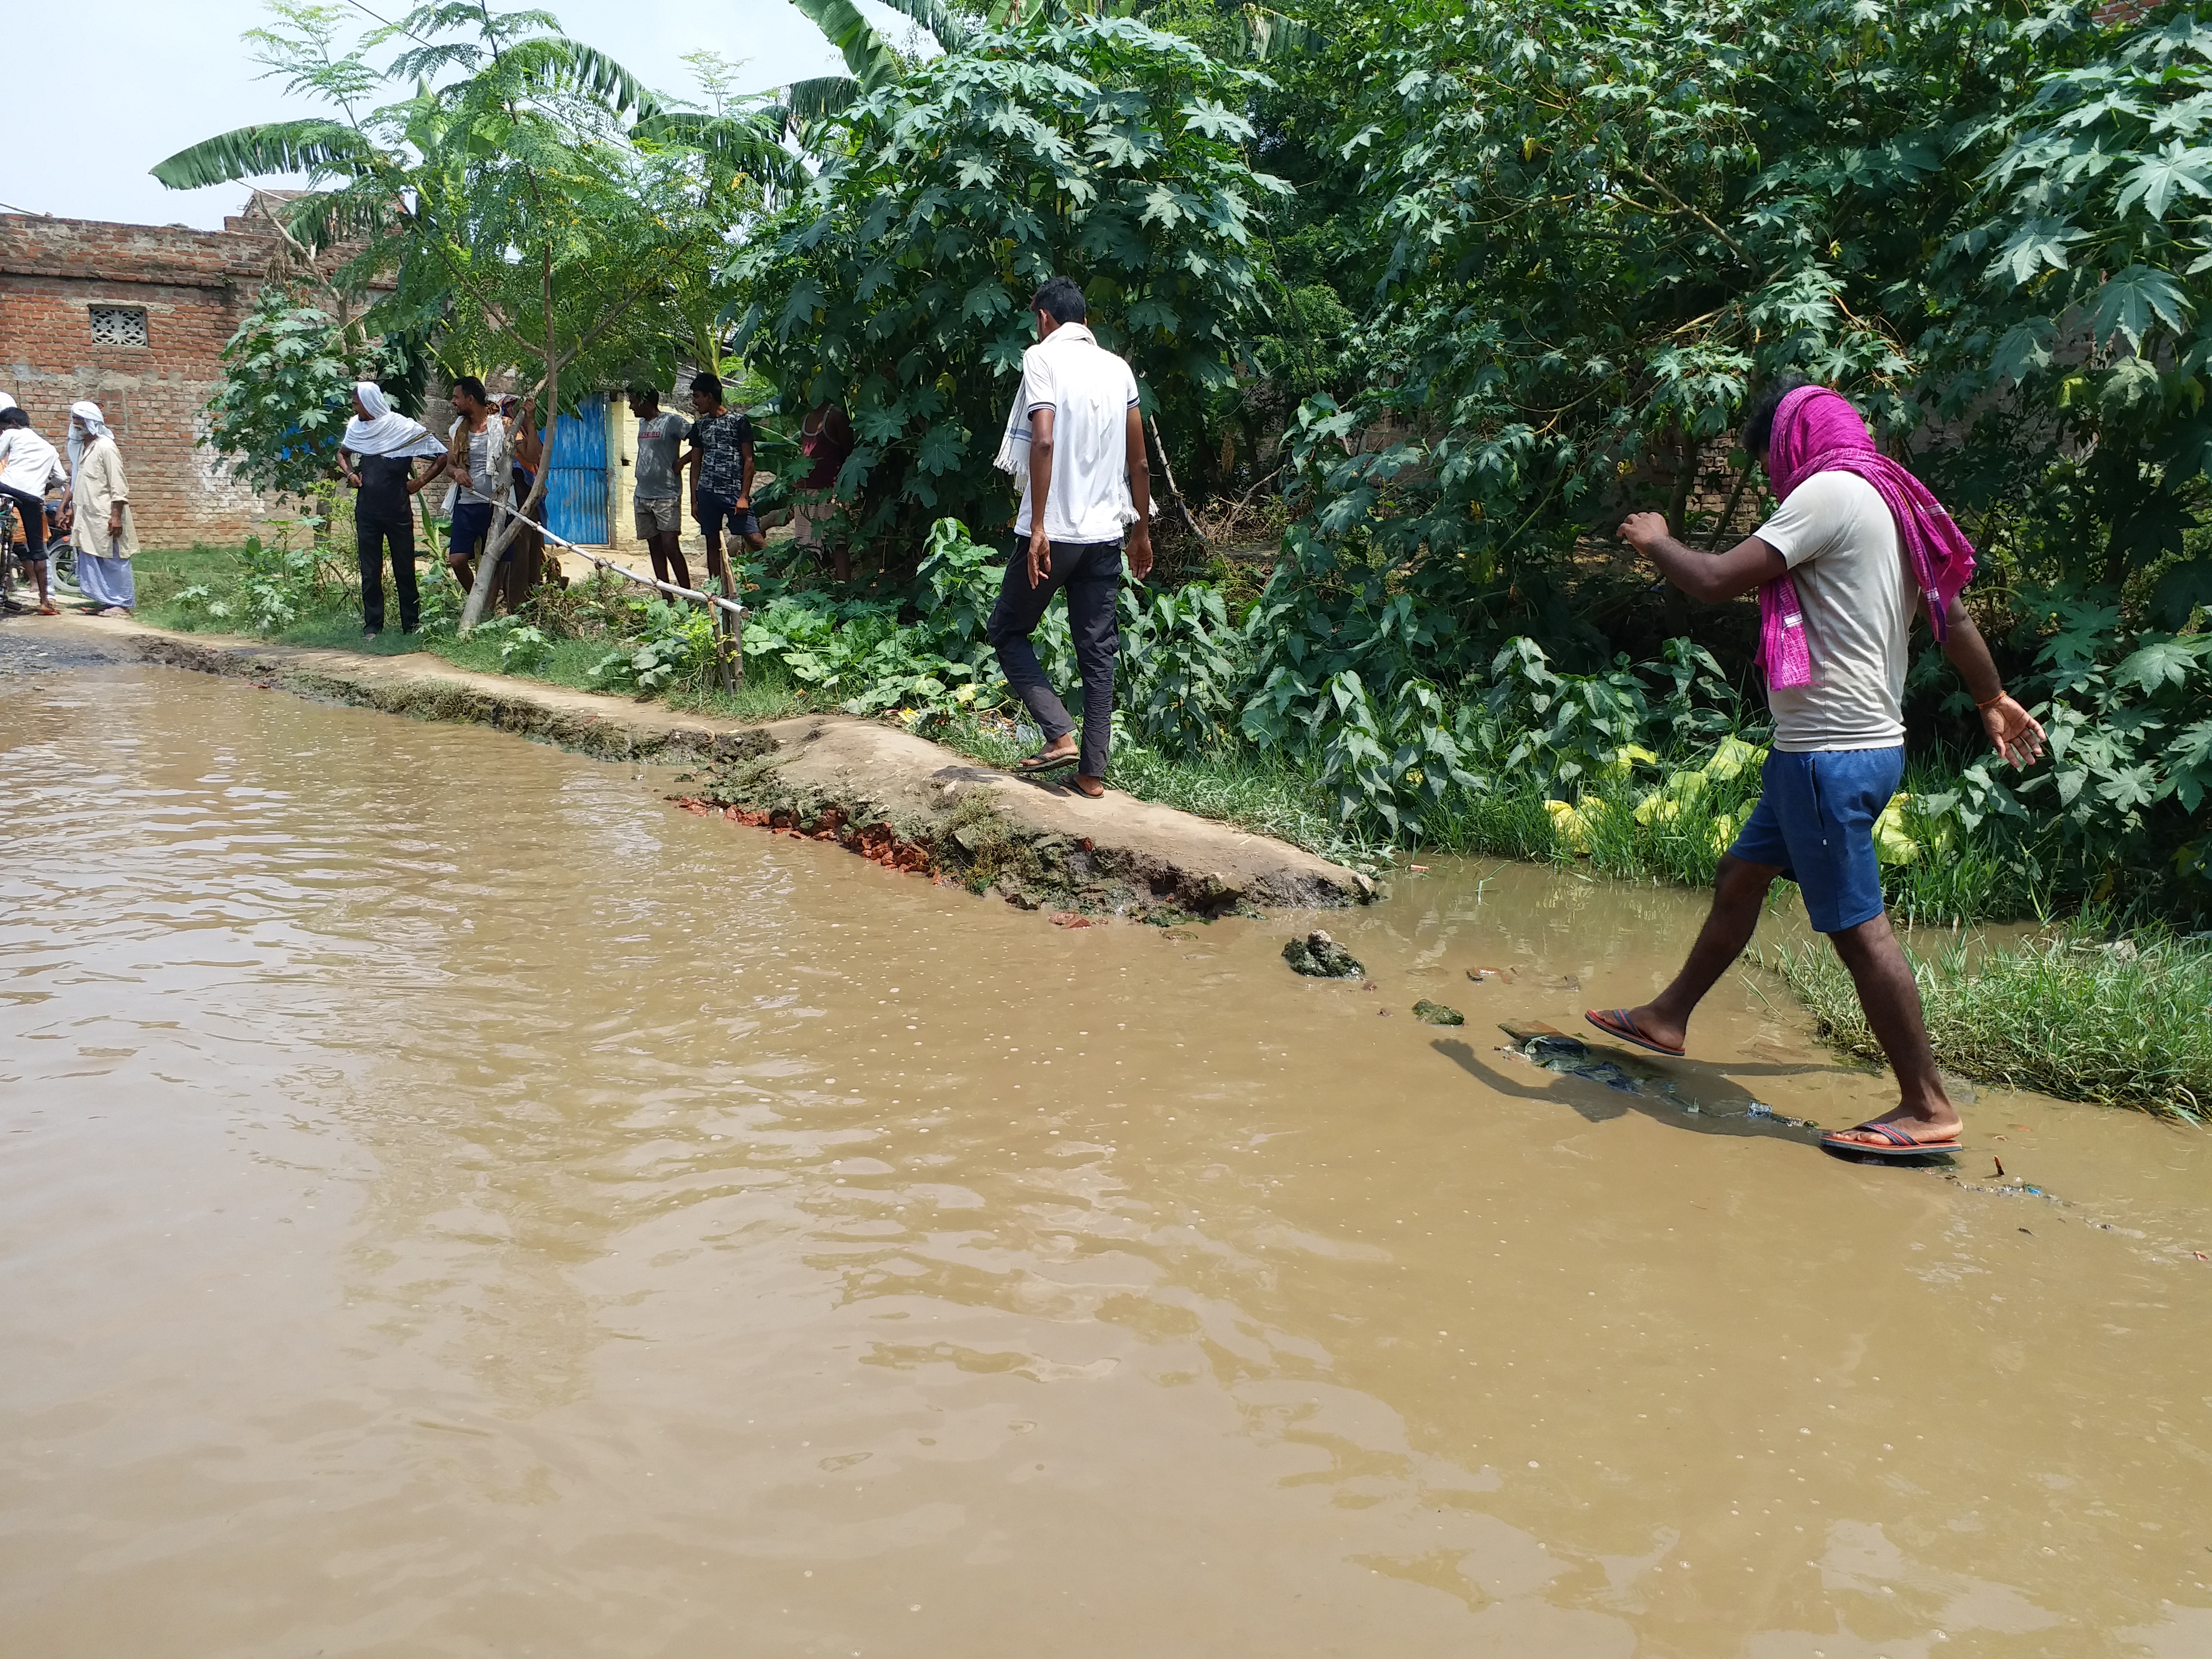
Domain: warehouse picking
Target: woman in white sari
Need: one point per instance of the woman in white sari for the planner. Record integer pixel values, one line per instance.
(101, 528)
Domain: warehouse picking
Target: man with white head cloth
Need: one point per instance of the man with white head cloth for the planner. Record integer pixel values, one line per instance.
(387, 445)
(103, 532)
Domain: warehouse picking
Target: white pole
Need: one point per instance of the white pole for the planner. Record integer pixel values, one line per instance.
(693, 594)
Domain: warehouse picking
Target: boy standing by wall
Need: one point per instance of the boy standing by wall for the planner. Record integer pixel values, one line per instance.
(657, 501)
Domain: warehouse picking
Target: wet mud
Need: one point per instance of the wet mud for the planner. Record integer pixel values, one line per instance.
(457, 1202)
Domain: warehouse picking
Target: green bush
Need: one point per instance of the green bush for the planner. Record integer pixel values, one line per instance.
(673, 645)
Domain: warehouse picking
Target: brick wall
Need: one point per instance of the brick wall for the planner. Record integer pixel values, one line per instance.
(194, 287)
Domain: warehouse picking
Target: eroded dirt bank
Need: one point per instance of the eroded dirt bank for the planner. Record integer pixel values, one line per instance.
(885, 794)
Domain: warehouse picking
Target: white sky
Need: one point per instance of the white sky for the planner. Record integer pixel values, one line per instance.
(97, 93)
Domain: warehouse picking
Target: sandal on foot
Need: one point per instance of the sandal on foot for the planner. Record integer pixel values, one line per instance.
(1041, 762)
(1074, 787)
(1616, 1023)
(1895, 1143)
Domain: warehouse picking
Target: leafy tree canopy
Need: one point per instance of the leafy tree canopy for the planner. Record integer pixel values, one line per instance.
(287, 393)
(898, 282)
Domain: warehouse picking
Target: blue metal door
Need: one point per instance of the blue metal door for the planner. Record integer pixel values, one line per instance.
(576, 479)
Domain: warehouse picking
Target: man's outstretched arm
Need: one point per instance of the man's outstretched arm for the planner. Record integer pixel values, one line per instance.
(1709, 578)
(2014, 733)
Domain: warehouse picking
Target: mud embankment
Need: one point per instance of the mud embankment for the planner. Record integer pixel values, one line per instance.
(884, 793)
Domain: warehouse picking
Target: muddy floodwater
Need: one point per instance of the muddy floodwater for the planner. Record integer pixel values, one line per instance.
(453, 1203)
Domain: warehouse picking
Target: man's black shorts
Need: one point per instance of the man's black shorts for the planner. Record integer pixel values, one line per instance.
(713, 512)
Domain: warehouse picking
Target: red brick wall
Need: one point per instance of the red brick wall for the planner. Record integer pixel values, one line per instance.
(194, 287)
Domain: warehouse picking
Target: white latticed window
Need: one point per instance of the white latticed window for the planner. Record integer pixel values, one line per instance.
(119, 325)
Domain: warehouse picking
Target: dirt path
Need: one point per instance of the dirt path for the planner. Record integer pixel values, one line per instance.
(888, 794)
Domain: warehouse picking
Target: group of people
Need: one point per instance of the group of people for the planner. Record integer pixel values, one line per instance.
(490, 456)
(718, 464)
(1856, 546)
(88, 503)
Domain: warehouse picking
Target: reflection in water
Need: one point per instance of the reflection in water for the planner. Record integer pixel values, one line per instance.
(455, 1204)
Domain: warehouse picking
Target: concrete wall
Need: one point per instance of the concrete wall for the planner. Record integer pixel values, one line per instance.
(622, 472)
(194, 287)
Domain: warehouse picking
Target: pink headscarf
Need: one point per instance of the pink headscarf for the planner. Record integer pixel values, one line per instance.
(1817, 430)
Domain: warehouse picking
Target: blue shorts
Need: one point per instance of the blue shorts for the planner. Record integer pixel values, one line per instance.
(713, 511)
(1815, 821)
(472, 525)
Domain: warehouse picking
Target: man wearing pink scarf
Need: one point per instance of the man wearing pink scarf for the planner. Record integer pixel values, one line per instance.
(1857, 541)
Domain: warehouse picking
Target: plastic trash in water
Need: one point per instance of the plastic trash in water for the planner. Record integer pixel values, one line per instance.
(1572, 1056)
(1555, 1051)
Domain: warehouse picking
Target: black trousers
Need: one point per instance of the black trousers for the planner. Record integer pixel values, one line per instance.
(31, 513)
(371, 538)
(1092, 574)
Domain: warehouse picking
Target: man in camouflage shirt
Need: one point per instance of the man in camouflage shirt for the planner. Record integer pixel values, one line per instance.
(720, 460)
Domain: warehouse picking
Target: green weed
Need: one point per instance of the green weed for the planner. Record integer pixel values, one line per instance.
(2120, 1022)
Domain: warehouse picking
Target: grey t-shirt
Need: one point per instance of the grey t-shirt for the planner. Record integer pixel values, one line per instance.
(1840, 542)
(658, 441)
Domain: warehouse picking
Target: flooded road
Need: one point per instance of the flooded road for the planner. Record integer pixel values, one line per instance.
(455, 1204)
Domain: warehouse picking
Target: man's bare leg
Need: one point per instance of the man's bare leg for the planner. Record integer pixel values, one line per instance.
(1740, 890)
(667, 550)
(1891, 1000)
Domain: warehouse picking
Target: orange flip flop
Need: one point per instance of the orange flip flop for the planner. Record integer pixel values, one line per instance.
(1896, 1143)
(1616, 1023)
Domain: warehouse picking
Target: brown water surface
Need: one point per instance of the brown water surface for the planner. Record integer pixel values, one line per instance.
(455, 1204)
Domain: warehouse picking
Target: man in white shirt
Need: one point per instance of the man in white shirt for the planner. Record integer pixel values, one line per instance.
(1088, 484)
(29, 465)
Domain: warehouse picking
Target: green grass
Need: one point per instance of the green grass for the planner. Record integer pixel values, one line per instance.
(336, 622)
(2126, 1023)
(164, 572)
(767, 693)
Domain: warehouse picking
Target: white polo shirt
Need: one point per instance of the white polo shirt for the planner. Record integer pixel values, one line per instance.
(28, 462)
(1090, 393)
